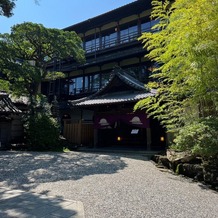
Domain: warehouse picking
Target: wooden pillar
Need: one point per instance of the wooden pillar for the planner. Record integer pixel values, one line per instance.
(95, 138)
(148, 132)
(95, 132)
(80, 132)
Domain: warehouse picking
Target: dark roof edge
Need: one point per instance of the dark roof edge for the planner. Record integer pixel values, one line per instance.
(126, 78)
(7, 103)
(129, 80)
(131, 4)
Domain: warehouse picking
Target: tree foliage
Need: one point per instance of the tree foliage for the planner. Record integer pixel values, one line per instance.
(201, 137)
(42, 132)
(185, 46)
(27, 51)
(6, 7)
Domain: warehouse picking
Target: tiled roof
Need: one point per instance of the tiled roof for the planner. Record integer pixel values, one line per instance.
(130, 80)
(113, 98)
(134, 93)
(6, 105)
(133, 8)
(125, 78)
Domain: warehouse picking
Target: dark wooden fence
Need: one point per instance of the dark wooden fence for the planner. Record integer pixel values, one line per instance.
(79, 133)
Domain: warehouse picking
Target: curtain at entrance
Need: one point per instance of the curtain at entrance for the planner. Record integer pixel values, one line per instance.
(104, 121)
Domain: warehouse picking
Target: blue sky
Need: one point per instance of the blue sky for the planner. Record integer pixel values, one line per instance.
(57, 13)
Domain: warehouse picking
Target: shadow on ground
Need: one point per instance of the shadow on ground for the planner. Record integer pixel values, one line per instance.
(25, 170)
(17, 203)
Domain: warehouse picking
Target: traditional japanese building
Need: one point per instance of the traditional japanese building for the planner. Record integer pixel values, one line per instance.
(99, 95)
(11, 127)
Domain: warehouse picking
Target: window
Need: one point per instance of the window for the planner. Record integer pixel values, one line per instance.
(95, 82)
(124, 36)
(147, 25)
(153, 23)
(92, 45)
(129, 34)
(86, 83)
(76, 86)
(109, 40)
(141, 73)
(133, 32)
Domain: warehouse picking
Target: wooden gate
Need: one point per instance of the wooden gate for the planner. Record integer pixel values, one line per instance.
(79, 133)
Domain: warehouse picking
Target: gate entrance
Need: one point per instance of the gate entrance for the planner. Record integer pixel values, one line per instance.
(127, 130)
(123, 136)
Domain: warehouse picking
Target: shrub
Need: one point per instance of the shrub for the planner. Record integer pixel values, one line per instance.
(201, 137)
(42, 132)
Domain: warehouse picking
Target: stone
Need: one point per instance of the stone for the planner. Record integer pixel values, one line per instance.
(177, 157)
(194, 171)
(163, 160)
(180, 156)
(155, 158)
(210, 171)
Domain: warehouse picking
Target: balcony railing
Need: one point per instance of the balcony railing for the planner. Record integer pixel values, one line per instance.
(113, 42)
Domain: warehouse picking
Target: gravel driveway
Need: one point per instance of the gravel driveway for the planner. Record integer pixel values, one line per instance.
(109, 185)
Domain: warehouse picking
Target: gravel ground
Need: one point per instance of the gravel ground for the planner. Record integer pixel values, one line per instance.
(109, 185)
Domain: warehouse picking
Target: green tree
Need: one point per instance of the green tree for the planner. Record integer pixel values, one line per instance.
(42, 132)
(25, 55)
(185, 47)
(27, 51)
(6, 7)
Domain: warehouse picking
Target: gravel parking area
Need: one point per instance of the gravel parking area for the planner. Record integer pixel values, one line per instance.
(108, 185)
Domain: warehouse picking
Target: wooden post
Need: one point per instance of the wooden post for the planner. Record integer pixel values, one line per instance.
(148, 132)
(95, 138)
(80, 132)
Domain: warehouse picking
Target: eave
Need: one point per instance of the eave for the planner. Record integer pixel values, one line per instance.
(135, 7)
(132, 91)
(6, 105)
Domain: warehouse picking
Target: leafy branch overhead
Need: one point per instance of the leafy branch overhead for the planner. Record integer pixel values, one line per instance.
(6, 7)
(185, 47)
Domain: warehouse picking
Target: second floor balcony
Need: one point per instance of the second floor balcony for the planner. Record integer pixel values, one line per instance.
(117, 37)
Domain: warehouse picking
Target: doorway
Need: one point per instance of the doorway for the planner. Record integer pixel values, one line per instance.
(123, 136)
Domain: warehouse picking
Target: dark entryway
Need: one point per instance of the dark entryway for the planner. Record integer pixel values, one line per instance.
(158, 135)
(5, 133)
(123, 136)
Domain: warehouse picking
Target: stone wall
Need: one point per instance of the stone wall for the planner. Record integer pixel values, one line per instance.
(187, 164)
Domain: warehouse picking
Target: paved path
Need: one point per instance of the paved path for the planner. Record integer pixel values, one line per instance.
(21, 204)
(108, 186)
